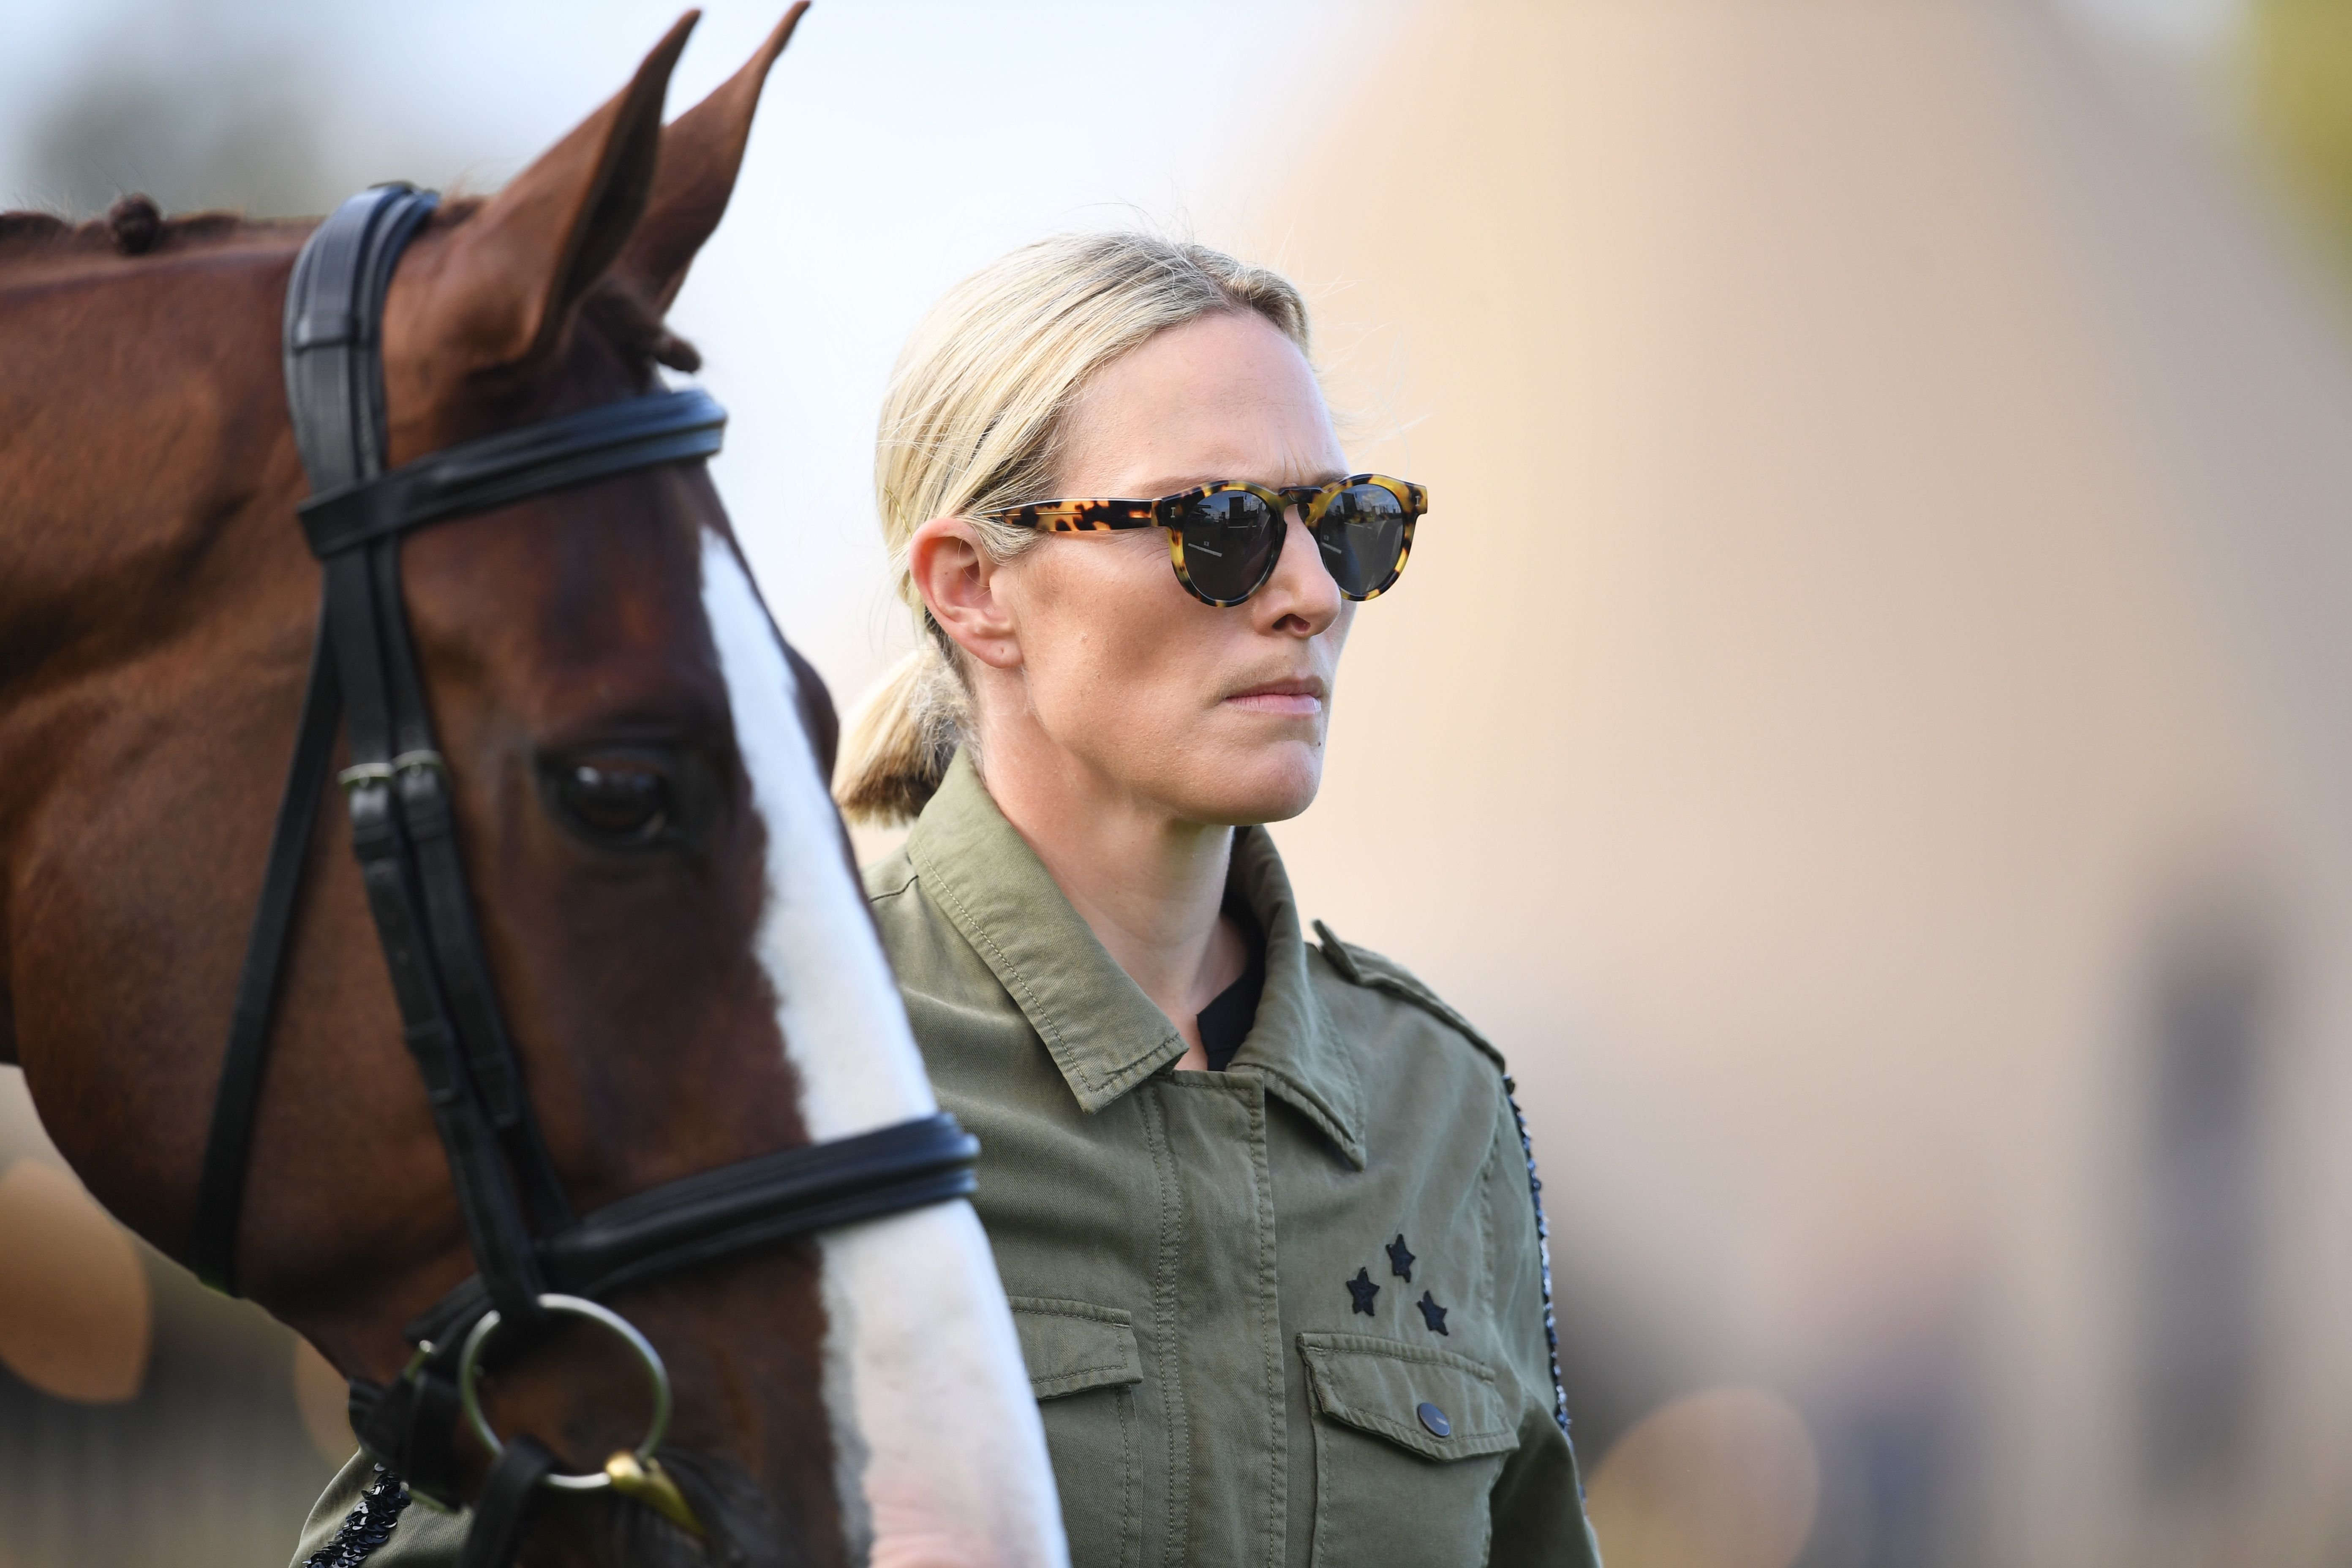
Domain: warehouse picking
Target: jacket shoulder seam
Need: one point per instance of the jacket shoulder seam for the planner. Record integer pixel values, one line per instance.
(1361, 966)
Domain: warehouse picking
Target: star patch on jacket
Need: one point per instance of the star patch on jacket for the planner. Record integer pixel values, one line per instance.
(1401, 1258)
(1362, 1288)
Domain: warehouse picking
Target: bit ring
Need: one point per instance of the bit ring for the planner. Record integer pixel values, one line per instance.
(470, 1369)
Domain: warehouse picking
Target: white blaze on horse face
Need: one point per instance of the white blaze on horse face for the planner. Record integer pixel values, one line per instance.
(941, 1455)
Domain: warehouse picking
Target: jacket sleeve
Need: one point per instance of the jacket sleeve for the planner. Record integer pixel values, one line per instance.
(1538, 1503)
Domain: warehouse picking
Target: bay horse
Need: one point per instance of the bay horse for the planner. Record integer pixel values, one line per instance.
(661, 893)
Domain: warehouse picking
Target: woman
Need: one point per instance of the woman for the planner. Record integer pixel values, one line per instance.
(1261, 1205)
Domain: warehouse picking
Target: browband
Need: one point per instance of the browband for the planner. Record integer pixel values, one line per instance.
(496, 470)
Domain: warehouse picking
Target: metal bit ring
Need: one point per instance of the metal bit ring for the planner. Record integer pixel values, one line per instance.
(469, 1374)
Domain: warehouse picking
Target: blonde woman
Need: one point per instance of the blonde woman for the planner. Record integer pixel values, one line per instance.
(1262, 1201)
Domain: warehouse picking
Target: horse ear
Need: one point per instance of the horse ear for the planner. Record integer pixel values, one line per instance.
(701, 153)
(517, 269)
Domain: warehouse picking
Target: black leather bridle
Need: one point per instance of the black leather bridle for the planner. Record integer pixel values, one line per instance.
(528, 1244)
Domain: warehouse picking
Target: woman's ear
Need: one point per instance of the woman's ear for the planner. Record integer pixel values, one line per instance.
(958, 582)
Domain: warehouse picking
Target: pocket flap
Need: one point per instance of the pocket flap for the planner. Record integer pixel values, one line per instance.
(1072, 1346)
(1380, 1387)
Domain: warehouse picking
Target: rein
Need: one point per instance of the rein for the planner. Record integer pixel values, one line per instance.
(535, 1259)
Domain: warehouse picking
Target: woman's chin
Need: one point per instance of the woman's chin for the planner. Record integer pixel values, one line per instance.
(1257, 791)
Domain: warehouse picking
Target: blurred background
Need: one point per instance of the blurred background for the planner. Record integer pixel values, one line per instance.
(1868, 719)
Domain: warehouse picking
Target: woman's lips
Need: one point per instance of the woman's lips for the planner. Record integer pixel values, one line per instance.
(1283, 699)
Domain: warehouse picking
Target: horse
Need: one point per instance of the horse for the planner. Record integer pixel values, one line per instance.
(634, 761)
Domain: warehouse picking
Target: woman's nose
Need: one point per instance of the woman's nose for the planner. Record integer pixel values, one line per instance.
(1302, 587)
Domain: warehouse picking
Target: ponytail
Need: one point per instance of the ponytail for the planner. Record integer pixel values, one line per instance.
(903, 736)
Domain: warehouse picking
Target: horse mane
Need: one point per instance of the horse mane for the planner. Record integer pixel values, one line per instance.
(131, 227)
(135, 226)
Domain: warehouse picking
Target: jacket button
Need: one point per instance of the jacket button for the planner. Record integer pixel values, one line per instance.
(1434, 1419)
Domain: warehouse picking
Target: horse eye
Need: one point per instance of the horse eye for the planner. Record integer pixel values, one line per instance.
(618, 801)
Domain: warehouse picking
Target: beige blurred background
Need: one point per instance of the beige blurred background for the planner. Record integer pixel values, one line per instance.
(1864, 727)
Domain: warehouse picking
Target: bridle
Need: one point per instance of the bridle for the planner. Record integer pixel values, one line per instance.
(535, 1257)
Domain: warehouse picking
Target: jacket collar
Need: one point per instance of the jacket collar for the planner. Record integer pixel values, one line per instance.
(1103, 1033)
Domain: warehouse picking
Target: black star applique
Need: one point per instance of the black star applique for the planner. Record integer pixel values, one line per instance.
(1433, 1314)
(1362, 1288)
(1401, 1258)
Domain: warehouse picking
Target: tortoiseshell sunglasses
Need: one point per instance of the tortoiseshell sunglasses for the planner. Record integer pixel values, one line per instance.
(1226, 540)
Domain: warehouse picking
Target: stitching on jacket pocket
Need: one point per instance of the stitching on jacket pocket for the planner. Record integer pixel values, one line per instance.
(1072, 1346)
(1377, 1386)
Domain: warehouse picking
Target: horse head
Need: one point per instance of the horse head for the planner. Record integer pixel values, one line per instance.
(635, 764)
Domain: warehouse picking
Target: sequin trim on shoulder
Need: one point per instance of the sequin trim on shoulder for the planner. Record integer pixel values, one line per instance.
(369, 1526)
(1543, 1251)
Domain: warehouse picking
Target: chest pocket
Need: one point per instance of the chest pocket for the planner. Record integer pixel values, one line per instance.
(1407, 1444)
(1083, 1367)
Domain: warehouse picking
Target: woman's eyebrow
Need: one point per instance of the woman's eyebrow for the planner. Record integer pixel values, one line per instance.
(1172, 487)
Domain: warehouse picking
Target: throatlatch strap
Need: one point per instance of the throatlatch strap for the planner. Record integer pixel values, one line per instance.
(339, 430)
(220, 1190)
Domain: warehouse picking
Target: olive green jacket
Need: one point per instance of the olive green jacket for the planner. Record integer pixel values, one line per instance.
(1290, 1313)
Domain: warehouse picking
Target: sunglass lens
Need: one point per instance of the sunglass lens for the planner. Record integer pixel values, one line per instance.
(1360, 535)
(1230, 538)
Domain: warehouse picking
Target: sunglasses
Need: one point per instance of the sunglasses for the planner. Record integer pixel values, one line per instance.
(1226, 540)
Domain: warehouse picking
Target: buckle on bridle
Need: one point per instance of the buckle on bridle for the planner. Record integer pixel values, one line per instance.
(634, 1473)
(360, 774)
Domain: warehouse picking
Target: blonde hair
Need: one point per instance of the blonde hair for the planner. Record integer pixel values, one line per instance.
(972, 423)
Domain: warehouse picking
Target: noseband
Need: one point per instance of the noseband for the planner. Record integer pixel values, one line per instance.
(534, 1257)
